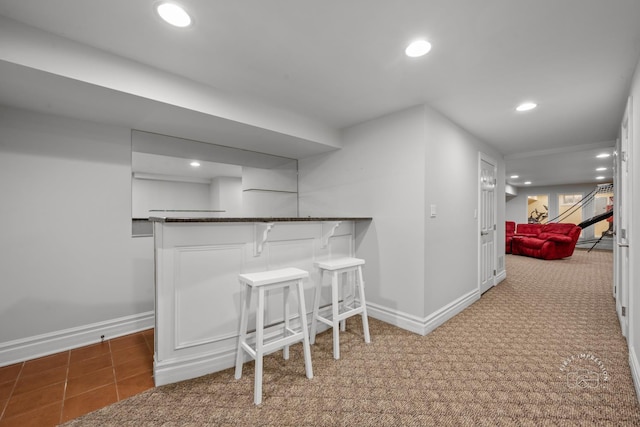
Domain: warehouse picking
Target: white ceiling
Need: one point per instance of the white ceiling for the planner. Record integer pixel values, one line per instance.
(570, 165)
(342, 62)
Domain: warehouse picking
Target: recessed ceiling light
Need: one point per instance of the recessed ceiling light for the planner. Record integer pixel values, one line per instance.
(527, 183)
(195, 164)
(601, 169)
(526, 106)
(418, 48)
(174, 14)
(600, 177)
(603, 155)
(514, 176)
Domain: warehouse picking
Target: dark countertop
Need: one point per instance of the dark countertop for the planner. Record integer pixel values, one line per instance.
(260, 219)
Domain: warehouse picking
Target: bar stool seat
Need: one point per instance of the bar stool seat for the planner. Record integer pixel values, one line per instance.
(340, 312)
(264, 281)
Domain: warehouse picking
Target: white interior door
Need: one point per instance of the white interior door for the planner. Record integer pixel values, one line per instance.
(622, 205)
(487, 223)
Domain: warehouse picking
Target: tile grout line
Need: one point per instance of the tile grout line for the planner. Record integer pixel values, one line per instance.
(13, 389)
(113, 371)
(66, 383)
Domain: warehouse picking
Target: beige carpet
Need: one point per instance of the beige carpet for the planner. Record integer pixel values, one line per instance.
(542, 348)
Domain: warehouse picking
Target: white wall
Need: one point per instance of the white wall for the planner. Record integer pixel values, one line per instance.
(151, 194)
(379, 172)
(452, 184)
(226, 194)
(270, 192)
(67, 258)
(284, 178)
(391, 169)
(257, 203)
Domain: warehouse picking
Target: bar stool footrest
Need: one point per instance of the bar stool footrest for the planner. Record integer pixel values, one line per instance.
(342, 316)
(277, 344)
(273, 344)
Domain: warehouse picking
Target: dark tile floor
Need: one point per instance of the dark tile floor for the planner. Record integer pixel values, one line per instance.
(54, 389)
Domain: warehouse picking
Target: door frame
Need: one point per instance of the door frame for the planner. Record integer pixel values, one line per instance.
(622, 224)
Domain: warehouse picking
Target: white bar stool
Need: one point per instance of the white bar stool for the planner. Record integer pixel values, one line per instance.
(340, 312)
(285, 278)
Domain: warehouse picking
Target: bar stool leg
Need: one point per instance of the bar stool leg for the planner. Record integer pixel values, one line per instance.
(336, 312)
(305, 337)
(244, 319)
(363, 303)
(257, 396)
(316, 310)
(345, 293)
(285, 350)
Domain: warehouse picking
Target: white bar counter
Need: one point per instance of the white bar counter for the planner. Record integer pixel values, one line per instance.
(197, 293)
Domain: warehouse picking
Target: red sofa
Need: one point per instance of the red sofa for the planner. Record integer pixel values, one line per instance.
(546, 241)
(527, 229)
(510, 230)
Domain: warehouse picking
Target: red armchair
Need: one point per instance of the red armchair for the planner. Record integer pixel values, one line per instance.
(554, 241)
(510, 230)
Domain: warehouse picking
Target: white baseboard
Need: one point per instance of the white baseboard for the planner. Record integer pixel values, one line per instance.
(55, 342)
(427, 324)
(501, 276)
(397, 318)
(634, 363)
(171, 372)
